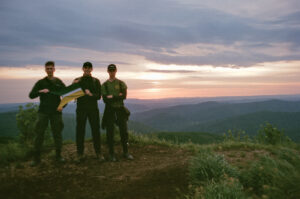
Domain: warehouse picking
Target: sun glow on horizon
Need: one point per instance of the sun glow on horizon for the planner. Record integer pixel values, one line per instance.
(164, 81)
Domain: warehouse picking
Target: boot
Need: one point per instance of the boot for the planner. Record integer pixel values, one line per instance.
(59, 158)
(128, 156)
(36, 161)
(100, 157)
(79, 158)
(112, 158)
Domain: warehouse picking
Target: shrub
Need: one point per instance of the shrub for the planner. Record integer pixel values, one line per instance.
(271, 135)
(275, 178)
(207, 166)
(226, 189)
(12, 151)
(26, 120)
(236, 135)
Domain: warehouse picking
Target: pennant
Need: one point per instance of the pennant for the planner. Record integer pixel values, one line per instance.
(68, 94)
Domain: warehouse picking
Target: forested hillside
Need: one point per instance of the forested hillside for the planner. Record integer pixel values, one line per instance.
(216, 117)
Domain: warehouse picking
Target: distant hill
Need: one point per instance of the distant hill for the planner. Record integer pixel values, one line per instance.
(211, 117)
(71, 107)
(204, 117)
(134, 108)
(8, 126)
(289, 122)
(139, 105)
(177, 118)
(10, 107)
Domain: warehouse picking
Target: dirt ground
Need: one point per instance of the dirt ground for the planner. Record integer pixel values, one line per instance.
(156, 172)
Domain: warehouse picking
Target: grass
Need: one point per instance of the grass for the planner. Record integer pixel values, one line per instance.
(259, 170)
(188, 137)
(207, 166)
(273, 177)
(12, 152)
(226, 170)
(226, 189)
(256, 171)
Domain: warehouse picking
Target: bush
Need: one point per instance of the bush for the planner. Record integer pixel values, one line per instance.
(274, 178)
(236, 136)
(227, 189)
(12, 151)
(271, 135)
(207, 166)
(26, 120)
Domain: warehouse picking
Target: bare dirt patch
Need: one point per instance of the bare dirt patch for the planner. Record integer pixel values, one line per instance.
(156, 172)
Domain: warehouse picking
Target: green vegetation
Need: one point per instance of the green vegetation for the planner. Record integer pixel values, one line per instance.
(218, 118)
(235, 166)
(26, 120)
(271, 135)
(207, 166)
(229, 188)
(265, 167)
(12, 123)
(12, 152)
(273, 177)
(8, 125)
(188, 137)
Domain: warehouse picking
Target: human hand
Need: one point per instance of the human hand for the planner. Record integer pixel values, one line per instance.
(44, 90)
(60, 109)
(88, 92)
(109, 96)
(75, 81)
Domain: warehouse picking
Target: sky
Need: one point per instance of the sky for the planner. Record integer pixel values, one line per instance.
(162, 48)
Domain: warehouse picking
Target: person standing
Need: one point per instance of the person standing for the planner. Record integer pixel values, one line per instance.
(48, 112)
(87, 108)
(114, 92)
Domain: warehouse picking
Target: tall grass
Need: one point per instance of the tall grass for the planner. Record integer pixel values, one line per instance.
(273, 177)
(13, 151)
(206, 166)
(226, 189)
(214, 178)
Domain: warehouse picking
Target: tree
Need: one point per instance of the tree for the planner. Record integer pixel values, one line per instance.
(26, 120)
(271, 135)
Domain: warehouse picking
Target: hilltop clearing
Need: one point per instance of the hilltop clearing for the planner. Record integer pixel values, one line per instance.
(236, 167)
(156, 172)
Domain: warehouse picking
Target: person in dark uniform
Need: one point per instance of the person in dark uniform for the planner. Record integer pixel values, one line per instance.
(114, 92)
(87, 108)
(48, 112)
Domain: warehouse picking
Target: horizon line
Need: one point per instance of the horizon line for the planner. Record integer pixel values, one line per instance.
(172, 98)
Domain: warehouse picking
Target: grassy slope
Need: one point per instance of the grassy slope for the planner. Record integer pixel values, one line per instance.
(232, 169)
(188, 137)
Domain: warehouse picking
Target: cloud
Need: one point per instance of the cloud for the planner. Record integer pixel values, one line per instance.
(234, 33)
(171, 71)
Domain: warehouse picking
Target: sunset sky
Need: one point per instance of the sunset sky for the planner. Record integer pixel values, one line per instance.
(162, 48)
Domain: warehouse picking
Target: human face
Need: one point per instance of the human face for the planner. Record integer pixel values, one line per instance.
(50, 70)
(87, 71)
(112, 73)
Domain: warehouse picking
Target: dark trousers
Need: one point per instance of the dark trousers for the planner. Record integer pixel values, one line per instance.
(116, 116)
(94, 119)
(57, 126)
